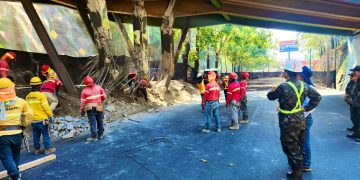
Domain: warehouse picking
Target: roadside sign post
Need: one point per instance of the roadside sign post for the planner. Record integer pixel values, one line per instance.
(288, 46)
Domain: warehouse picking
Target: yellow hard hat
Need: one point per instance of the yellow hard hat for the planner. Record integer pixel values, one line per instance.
(6, 83)
(7, 90)
(35, 81)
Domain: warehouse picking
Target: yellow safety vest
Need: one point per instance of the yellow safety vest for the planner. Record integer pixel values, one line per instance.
(298, 106)
(39, 105)
(226, 85)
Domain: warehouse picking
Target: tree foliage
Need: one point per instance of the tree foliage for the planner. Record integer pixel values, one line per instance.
(316, 42)
(248, 47)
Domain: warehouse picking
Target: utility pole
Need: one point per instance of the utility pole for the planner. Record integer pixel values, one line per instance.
(328, 82)
(289, 55)
(310, 59)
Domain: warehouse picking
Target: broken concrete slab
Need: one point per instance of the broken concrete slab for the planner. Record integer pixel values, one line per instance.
(71, 134)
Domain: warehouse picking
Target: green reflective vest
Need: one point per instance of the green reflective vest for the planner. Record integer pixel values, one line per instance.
(298, 106)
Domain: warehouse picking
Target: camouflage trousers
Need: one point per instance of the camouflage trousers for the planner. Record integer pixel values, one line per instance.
(355, 118)
(292, 138)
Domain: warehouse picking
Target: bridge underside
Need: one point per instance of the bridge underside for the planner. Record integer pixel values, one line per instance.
(338, 17)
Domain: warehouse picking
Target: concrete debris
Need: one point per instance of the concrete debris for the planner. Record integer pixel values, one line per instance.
(71, 134)
(68, 127)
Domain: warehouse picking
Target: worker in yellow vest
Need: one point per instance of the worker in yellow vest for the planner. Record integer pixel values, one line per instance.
(42, 115)
(200, 81)
(291, 96)
(225, 85)
(12, 126)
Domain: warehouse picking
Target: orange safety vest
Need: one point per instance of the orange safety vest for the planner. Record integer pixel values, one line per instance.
(202, 87)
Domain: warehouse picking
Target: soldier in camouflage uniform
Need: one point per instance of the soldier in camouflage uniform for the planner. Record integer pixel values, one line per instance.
(291, 96)
(355, 108)
(350, 87)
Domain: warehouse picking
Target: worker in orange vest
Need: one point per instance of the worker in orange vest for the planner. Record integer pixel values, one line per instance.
(4, 63)
(201, 83)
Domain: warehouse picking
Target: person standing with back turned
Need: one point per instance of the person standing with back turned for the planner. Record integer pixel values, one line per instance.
(305, 76)
(233, 101)
(243, 104)
(211, 102)
(291, 96)
(12, 126)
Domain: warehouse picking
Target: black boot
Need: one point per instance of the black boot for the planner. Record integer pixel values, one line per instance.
(295, 174)
(350, 129)
(352, 136)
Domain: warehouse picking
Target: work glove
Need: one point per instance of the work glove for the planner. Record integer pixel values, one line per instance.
(46, 122)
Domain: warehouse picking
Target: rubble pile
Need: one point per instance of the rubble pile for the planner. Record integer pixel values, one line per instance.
(68, 127)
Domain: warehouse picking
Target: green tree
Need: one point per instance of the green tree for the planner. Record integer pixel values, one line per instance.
(316, 42)
(214, 37)
(249, 48)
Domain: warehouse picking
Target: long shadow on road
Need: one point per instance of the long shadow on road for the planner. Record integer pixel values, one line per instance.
(170, 145)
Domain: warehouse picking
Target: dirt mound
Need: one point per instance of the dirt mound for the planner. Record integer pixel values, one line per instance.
(179, 91)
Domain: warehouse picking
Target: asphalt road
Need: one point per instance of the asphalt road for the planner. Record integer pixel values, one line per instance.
(170, 145)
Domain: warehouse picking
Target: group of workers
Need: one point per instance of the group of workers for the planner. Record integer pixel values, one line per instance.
(235, 96)
(38, 106)
(297, 100)
(36, 111)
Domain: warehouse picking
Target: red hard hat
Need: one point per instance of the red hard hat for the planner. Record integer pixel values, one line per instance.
(45, 67)
(233, 75)
(9, 56)
(245, 74)
(88, 81)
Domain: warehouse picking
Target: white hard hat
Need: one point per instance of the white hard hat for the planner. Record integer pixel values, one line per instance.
(293, 66)
(199, 75)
